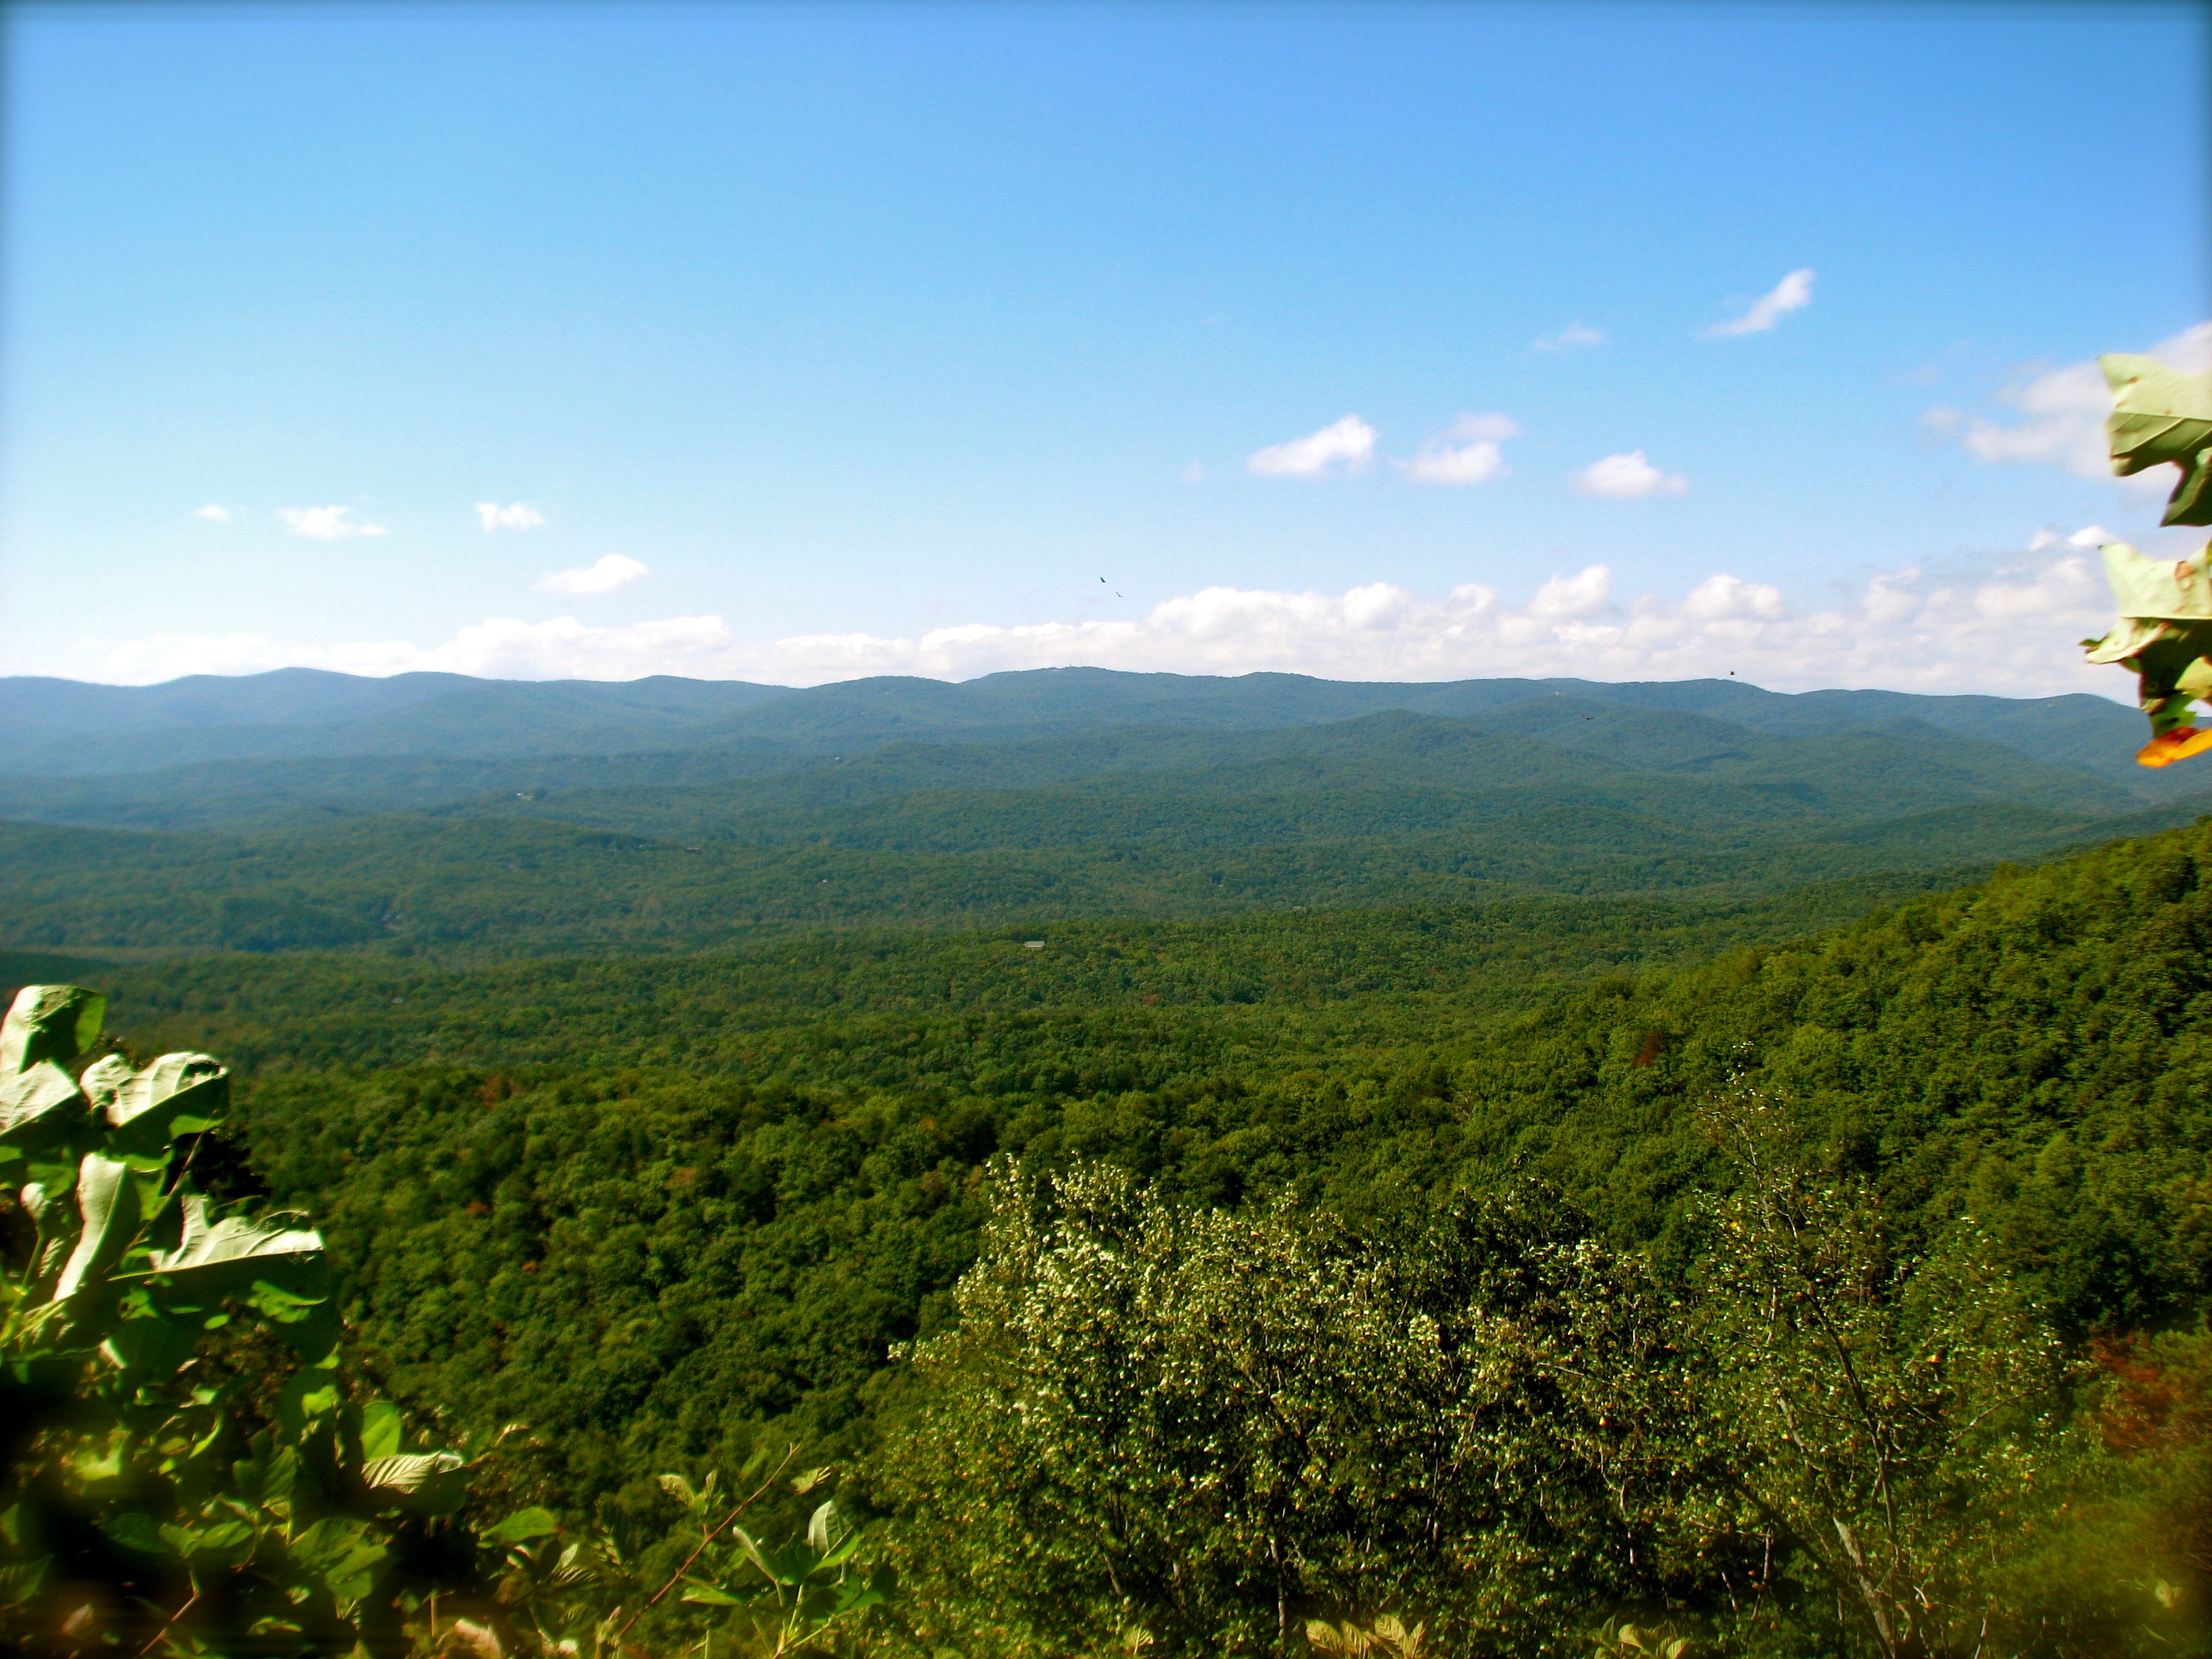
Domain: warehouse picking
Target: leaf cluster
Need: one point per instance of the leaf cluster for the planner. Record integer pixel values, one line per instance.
(169, 1487)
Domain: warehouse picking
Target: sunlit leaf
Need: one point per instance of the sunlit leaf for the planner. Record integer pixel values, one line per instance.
(275, 1266)
(50, 1022)
(2161, 415)
(142, 1108)
(706, 1595)
(2163, 633)
(40, 1107)
(679, 1489)
(430, 1483)
(108, 1202)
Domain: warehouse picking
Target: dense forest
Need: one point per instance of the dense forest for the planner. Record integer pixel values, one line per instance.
(1739, 1207)
(1031, 798)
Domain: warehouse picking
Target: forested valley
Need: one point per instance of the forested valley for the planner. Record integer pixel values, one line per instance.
(1082, 1164)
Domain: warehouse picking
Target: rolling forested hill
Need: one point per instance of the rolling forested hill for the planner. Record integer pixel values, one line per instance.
(482, 819)
(659, 1209)
(654, 1057)
(64, 728)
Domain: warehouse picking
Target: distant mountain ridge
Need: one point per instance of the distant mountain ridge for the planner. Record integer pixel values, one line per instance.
(61, 728)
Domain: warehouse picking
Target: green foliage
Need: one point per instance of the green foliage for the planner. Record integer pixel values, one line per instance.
(670, 1211)
(1897, 1418)
(660, 1211)
(1136, 999)
(142, 1506)
(780, 1600)
(1221, 1425)
(729, 1593)
(1830, 1441)
(1622, 1638)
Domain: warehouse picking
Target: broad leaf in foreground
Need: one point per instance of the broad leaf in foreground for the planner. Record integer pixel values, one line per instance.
(2162, 415)
(2164, 635)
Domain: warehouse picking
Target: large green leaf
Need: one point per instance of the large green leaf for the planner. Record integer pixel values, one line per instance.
(267, 1477)
(428, 1483)
(41, 1107)
(314, 1394)
(2162, 415)
(233, 1251)
(133, 1531)
(787, 1566)
(225, 1545)
(2180, 590)
(276, 1267)
(2163, 633)
(49, 1022)
(831, 1535)
(143, 1108)
(107, 1203)
(709, 1595)
(382, 1433)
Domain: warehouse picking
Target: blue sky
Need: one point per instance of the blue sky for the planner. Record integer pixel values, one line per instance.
(795, 344)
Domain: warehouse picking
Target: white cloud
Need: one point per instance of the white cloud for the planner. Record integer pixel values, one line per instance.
(1351, 440)
(2089, 535)
(213, 512)
(2061, 418)
(2190, 350)
(1720, 598)
(1465, 453)
(515, 515)
(325, 524)
(1587, 590)
(1628, 477)
(612, 572)
(1576, 335)
(1792, 293)
(2006, 625)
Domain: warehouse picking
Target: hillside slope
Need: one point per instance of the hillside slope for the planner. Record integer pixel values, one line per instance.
(1389, 809)
(660, 1236)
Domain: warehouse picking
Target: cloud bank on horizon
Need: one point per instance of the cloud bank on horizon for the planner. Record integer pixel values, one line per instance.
(609, 575)
(2002, 624)
(1982, 627)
